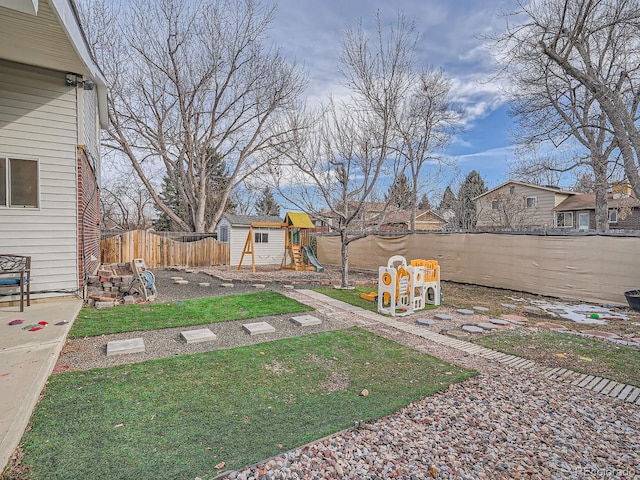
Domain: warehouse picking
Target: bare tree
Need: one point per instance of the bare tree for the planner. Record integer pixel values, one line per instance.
(125, 204)
(508, 211)
(537, 169)
(336, 165)
(587, 56)
(550, 106)
(192, 82)
(425, 125)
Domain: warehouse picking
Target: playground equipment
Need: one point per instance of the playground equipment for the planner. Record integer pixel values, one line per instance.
(297, 243)
(403, 289)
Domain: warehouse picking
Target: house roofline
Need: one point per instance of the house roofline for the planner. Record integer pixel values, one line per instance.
(67, 14)
(525, 184)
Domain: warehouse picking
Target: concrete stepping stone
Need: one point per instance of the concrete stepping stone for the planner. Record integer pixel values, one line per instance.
(288, 287)
(532, 308)
(517, 319)
(598, 333)
(459, 335)
(472, 329)
(306, 320)
(258, 328)
(509, 305)
(488, 326)
(181, 282)
(226, 285)
(442, 316)
(551, 326)
(480, 309)
(499, 321)
(204, 284)
(122, 347)
(427, 322)
(258, 285)
(173, 279)
(464, 311)
(198, 336)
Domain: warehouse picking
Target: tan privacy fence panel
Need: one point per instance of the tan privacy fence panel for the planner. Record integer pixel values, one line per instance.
(589, 268)
(160, 251)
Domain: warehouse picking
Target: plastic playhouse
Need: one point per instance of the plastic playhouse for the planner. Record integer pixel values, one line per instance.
(403, 289)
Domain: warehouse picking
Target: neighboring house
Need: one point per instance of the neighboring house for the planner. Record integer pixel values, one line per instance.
(430, 221)
(518, 205)
(400, 220)
(377, 216)
(52, 106)
(579, 212)
(268, 242)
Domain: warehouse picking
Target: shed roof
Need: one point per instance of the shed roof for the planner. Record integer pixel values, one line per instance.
(299, 220)
(247, 220)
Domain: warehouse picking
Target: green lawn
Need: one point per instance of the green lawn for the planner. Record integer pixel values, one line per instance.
(151, 316)
(605, 359)
(177, 418)
(353, 296)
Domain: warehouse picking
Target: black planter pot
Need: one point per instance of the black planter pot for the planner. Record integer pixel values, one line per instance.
(633, 299)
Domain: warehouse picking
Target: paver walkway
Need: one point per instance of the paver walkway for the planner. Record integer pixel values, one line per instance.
(327, 305)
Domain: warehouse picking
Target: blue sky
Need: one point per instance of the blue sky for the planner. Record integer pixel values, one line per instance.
(450, 38)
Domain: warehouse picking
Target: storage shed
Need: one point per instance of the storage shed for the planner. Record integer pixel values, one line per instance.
(268, 241)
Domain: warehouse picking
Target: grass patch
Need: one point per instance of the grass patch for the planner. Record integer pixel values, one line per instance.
(352, 297)
(151, 316)
(605, 359)
(177, 418)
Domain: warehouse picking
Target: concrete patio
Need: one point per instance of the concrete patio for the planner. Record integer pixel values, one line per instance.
(26, 361)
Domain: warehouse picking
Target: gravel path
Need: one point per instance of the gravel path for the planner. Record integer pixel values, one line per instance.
(503, 424)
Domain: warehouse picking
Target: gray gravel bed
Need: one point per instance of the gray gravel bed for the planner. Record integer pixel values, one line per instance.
(91, 352)
(168, 291)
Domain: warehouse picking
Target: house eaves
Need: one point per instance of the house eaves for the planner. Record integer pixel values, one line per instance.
(47, 34)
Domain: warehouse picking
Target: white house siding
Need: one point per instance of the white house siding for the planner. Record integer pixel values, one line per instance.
(38, 121)
(90, 133)
(265, 253)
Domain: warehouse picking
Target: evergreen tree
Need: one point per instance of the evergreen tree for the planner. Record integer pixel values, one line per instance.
(172, 199)
(218, 181)
(424, 203)
(449, 200)
(267, 205)
(399, 194)
(466, 215)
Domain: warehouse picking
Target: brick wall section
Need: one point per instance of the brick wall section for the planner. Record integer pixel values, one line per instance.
(630, 222)
(88, 220)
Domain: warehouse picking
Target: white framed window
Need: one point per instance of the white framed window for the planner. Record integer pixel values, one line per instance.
(613, 215)
(261, 237)
(19, 183)
(564, 219)
(532, 202)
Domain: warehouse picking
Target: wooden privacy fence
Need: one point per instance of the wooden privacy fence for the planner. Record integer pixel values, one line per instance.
(161, 251)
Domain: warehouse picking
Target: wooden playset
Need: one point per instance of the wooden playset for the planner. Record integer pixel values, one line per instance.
(298, 254)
